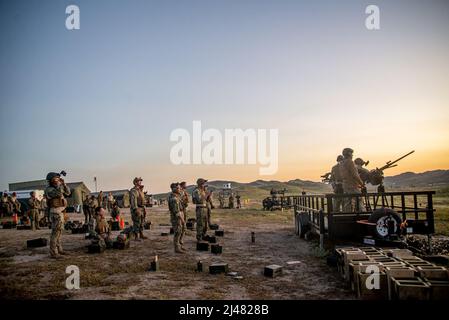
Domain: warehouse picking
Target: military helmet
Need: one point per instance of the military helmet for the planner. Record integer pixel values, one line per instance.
(201, 181)
(52, 175)
(174, 186)
(137, 179)
(347, 152)
(182, 184)
(340, 158)
(359, 161)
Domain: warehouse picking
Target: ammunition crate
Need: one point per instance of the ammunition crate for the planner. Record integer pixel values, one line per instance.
(272, 271)
(23, 227)
(409, 289)
(364, 293)
(217, 268)
(214, 226)
(439, 289)
(216, 249)
(202, 246)
(219, 233)
(95, 248)
(115, 226)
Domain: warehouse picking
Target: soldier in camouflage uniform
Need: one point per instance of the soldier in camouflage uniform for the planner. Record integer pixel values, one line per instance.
(185, 204)
(6, 206)
(352, 183)
(337, 184)
(34, 205)
(137, 205)
(15, 204)
(231, 201)
(177, 216)
(209, 205)
(56, 192)
(199, 198)
(100, 199)
(239, 203)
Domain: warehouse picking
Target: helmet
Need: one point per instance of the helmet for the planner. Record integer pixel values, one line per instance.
(347, 152)
(52, 175)
(137, 179)
(359, 161)
(174, 186)
(340, 158)
(201, 181)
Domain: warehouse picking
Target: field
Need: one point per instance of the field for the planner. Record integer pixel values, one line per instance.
(117, 274)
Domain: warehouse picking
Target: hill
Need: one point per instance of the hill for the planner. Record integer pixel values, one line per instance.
(261, 188)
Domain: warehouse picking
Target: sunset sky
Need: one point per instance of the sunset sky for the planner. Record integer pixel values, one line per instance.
(102, 101)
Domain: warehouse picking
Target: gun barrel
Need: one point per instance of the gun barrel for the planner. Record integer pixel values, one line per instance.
(391, 164)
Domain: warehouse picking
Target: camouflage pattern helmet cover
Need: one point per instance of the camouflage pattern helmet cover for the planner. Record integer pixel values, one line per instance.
(137, 179)
(201, 181)
(52, 175)
(347, 151)
(340, 158)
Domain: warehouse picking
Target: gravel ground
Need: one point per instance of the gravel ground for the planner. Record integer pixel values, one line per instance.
(116, 274)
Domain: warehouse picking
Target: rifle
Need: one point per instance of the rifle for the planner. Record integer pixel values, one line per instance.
(326, 178)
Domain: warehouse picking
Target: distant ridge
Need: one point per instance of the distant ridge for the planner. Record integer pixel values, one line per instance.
(261, 188)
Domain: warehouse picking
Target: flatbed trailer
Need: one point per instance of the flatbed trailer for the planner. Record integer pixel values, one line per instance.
(374, 218)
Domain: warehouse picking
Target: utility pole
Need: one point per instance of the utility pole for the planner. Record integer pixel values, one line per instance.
(95, 180)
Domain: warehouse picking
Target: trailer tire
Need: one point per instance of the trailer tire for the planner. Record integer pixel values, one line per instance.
(381, 217)
(302, 224)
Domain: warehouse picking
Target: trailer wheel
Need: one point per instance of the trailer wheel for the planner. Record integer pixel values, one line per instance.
(302, 224)
(383, 218)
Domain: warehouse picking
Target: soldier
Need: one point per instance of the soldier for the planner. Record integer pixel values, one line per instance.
(44, 210)
(137, 205)
(337, 184)
(6, 206)
(239, 204)
(100, 199)
(115, 212)
(177, 216)
(221, 200)
(55, 193)
(15, 204)
(34, 205)
(86, 209)
(199, 198)
(209, 205)
(110, 201)
(101, 225)
(363, 172)
(231, 201)
(352, 183)
(185, 204)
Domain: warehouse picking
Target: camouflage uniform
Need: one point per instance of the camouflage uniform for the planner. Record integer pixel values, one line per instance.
(6, 206)
(110, 202)
(100, 199)
(176, 217)
(137, 205)
(209, 206)
(231, 202)
(337, 186)
(115, 212)
(351, 183)
(57, 204)
(239, 204)
(35, 205)
(199, 199)
(185, 203)
(15, 205)
(86, 210)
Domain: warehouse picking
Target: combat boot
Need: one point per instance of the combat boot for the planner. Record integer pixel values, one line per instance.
(183, 249)
(179, 250)
(136, 236)
(142, 235)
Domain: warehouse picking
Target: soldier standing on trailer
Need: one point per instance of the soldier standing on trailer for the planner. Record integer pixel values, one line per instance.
(337, 184)
(352, 184)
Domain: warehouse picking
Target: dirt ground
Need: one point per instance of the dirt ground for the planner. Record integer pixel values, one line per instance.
(123, 274)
